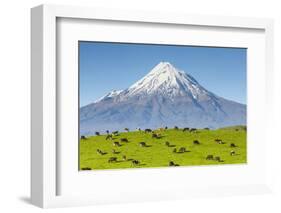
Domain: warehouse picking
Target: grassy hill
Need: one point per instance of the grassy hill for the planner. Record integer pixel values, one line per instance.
(236, 128)
(157, 154)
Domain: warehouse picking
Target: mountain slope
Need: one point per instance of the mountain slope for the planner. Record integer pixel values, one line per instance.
(166, 96)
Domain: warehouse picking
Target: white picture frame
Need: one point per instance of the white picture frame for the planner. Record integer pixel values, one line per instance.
(46, 169)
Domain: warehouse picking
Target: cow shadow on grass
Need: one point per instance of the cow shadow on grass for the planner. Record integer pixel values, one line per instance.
(139, 165)
(172, 146)
(183, 152)
(159, 137)
(130, 159)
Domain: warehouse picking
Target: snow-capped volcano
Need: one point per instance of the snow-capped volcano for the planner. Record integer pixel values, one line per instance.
(165, 79)
(165, 96)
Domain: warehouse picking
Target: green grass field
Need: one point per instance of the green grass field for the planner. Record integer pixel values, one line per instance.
(157, 154)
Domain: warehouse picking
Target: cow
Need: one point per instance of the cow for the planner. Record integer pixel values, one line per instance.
(108, 137)
(115, 133)
(147, 130)
(171, 163)
(210, 157)
(155, 135)
(124, 140)
(193, 130)
(217, 159)
(127, 129)
(232, 153)
(182, 150)
(86, 168)
(97, 133)
(142, 144)
(196, 142)
(185, 129)
(112, 159)
(100, 152)
(83, 137)
(116, 143)
(219, 141)
(135, 162)
(232, 145)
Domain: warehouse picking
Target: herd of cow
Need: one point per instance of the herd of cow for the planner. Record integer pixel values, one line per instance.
(157, 135)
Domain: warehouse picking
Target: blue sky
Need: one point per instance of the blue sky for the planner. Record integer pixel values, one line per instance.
(108, 66)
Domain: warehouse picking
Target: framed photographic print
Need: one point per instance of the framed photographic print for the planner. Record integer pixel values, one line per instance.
(148, 105)
(166, 117)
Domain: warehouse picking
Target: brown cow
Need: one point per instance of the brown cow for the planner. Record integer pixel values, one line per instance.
(233, 145)
(83, 137)
(142, 144)
(171, 163)
(86, 168)
(116, 143)
(210, 157)
(135, 162)
(196, 142)
(182, 150)
(112, 159)
(124, 140)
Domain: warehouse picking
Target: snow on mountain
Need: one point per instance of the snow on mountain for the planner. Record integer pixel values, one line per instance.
(111, 94)
(167, 80)
(165, 96)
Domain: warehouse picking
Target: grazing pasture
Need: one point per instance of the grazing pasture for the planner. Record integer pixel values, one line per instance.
(139, 149)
